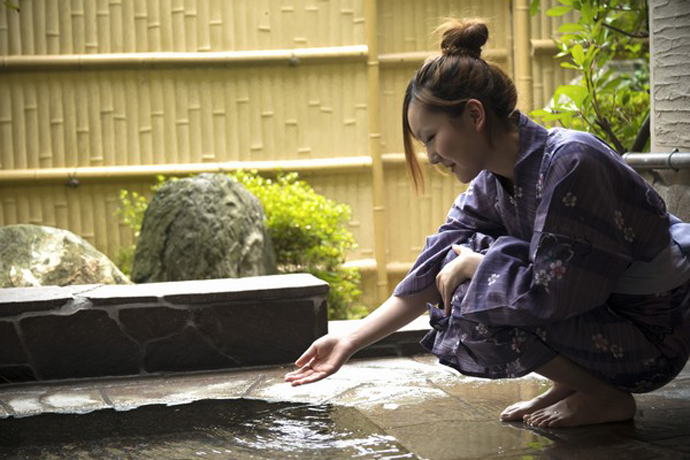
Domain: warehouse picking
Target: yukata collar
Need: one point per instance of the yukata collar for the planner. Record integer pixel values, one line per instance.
(532, 140)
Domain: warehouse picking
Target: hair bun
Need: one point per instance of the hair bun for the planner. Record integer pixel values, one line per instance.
(463, 37)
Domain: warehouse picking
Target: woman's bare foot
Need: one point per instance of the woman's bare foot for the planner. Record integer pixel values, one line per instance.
(581, 409)
(518, 410)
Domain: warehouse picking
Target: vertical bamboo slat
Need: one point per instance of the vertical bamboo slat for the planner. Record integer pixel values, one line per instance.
(39, 26)
(158, 124)
(4, 34)
(107, 119)
(45, 151)
(182, 114)
(61, 216)
(194, 115)
(232, 121)
(95, 145)
(57, 123)
(206, 150)
(131, 120)
(66, 33)
(153, 26)
(83, 131)
(31, 121)
(52, 30)
(166, 25)
(145, 119)
(103, 24)
(202, 24)
(267, 110)
(47, 208)
(6, 128)
(171, 153)
(228, 25)
(178, 28)
(90, 38)
(121, 148)
(190, 29)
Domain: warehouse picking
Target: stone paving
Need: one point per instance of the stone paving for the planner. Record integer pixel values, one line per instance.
(430, 410)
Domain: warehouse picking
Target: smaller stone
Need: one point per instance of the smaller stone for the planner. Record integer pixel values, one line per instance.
(35, 255)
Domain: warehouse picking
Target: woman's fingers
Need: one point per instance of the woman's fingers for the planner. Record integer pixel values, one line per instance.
(305, 374)
(447, 304)
(314, 376)
(306, 356)
(457, 248)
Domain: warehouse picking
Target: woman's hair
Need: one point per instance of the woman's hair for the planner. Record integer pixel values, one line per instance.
(445, 83)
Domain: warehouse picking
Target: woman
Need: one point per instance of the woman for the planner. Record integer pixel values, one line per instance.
(558, 259)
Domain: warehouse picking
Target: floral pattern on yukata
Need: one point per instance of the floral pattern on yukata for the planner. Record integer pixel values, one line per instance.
(553, 251)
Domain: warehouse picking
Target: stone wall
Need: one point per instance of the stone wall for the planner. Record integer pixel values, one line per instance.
(670, 120)
(97, 330)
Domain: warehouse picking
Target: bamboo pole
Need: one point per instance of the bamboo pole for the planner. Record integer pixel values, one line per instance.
(360, 163)
(499, 55)
(175, 60)
(523, 62)
(544, 47)
(371, 19)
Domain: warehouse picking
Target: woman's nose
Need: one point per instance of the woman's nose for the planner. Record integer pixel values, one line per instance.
(434, 158)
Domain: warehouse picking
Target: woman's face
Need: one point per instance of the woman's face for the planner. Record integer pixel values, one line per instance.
(456, 143)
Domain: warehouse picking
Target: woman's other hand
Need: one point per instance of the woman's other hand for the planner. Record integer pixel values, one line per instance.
(323, 358)
(456, 272)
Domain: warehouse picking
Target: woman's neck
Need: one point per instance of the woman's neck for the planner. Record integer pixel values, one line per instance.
(504, 154)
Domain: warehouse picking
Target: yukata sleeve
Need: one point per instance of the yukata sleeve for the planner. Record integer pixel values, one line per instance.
(591, 218)
(472, 221)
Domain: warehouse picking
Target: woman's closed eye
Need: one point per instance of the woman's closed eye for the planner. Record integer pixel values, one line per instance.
(429, 139)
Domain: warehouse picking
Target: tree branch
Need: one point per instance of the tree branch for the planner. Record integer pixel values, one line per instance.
(623, 32)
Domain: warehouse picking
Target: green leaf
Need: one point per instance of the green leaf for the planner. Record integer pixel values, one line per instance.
(567, 2)
(11, 5)
(568, 65)
(570, 28)
(534, 7)
(559, 11)
(578, 54)
(575, 93)
(587, 13)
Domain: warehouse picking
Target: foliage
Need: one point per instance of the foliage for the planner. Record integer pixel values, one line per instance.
(308, 232)
(607, 99)
(131, 212)
(11, 5)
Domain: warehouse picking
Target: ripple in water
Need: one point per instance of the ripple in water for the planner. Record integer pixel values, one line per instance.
(213, 429)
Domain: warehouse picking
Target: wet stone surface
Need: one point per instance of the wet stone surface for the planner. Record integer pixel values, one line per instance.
(413, 408)
(237, 429)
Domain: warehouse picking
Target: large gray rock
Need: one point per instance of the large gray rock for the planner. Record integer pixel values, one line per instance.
(203, 227)
(34, 255)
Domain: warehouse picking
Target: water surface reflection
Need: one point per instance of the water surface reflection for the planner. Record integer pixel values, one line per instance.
(232, 429)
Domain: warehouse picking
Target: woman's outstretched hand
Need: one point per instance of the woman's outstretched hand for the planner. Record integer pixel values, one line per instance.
(323, 358)
(456, 272)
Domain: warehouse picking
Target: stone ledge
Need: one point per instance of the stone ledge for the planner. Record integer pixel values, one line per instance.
(98, 331)
(403, 342)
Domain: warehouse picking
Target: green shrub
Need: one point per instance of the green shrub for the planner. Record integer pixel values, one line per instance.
(607, 47)
(131, 212)
(308, 231)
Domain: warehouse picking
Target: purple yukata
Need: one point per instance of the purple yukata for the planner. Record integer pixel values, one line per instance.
(581, 259)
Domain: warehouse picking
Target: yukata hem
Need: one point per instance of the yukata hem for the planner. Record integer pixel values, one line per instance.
(538, 354)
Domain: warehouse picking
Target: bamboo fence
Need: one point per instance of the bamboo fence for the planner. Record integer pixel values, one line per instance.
(101, 95)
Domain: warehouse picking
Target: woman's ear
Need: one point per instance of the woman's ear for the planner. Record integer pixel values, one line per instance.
(474, 110)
